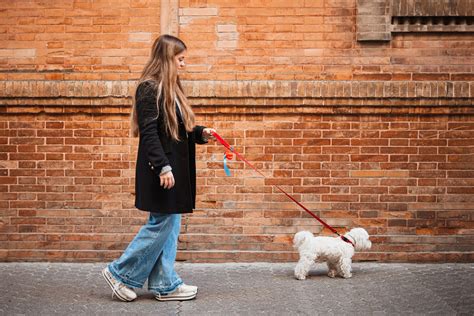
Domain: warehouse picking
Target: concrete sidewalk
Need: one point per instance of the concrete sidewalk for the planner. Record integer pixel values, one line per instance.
(246, 289)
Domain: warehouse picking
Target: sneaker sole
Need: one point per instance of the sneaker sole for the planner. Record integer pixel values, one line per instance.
(123, 299)
(176, 298)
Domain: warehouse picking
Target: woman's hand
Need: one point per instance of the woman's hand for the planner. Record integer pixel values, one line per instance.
(167, 180)
(207, 133)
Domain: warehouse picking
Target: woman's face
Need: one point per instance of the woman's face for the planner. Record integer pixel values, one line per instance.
(179, 59)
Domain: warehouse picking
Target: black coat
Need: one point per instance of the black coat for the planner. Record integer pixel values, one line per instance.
(155, 150)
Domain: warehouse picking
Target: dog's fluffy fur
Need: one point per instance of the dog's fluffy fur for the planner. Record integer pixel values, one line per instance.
(333, 250)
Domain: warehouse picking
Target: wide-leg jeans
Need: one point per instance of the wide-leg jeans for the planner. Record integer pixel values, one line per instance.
(151, 255)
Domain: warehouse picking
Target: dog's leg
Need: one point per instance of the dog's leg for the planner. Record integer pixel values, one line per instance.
(332, 269)
(345, 267)
(303, 266)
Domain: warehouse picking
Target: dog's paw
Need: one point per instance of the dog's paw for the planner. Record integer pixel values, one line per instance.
(332, 273)
(300, 276)
(347, 275)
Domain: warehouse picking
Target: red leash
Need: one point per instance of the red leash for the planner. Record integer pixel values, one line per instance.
(226, 145)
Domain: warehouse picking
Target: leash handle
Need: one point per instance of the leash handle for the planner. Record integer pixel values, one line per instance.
(229, 147)
(226, 145)
(222, 141)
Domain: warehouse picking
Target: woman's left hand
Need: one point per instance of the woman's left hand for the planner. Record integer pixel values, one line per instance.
(207, 133)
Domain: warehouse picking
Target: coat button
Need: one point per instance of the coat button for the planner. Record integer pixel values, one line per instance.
(149, 163)
(152, 168)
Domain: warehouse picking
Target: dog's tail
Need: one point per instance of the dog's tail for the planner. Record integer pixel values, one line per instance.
(301, 237)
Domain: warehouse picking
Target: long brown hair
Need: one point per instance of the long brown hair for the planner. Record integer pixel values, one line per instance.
(161, 69)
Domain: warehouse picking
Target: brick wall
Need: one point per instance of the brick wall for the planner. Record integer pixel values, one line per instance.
(378, 135)
(76, 40)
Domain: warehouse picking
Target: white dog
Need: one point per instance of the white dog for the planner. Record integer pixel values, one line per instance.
(333, 250)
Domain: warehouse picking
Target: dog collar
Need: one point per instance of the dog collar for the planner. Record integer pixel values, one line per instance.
(347, 240)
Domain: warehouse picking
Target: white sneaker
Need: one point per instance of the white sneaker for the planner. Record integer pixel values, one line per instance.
(123, 292)
(182, 293)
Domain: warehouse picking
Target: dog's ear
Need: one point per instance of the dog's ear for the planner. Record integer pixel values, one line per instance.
(362, 238)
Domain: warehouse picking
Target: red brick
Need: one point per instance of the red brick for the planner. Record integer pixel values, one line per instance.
(377, 137)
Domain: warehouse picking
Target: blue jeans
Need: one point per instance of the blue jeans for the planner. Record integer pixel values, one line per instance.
(151, 255)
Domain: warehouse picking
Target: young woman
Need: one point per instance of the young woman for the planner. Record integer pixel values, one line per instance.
(165, 183)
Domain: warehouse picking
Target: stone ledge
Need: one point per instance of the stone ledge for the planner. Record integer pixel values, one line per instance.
(248, 97)
(246, 89)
